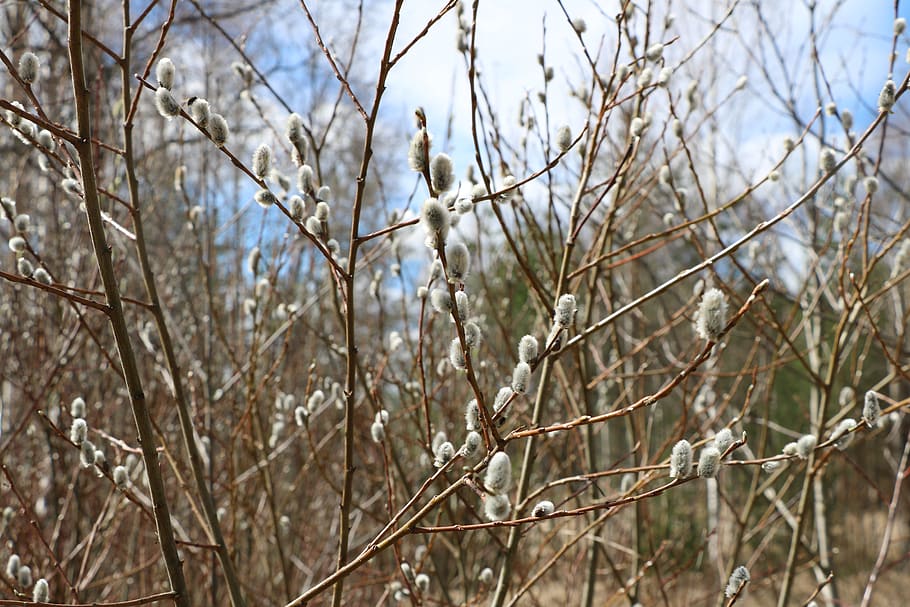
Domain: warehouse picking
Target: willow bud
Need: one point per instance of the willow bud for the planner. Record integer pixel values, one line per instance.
(28, 67)
(498, 478)
(497, 507)
(681, 460)
(164, 72)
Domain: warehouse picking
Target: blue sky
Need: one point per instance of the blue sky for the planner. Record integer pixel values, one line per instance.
(510, 36)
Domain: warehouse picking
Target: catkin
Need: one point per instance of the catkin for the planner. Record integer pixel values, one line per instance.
(498, 478)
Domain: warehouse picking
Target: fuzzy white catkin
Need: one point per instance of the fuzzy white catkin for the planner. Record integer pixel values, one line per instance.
(316, 399)
(827, 160)
(301, 414)
(887, 96)
(444, 454)
(166, 104)
(485, 576)
(87, 454)
(78, 431)
(472, 444)
(871, 409)
(294, 129)
(461, 304)
(521, 375)
(12, 565)
(564, 138)
(77, 407)
(252, 260)
(645, 78)
(24, 576)
(677, 127)
(496, 507)
(472, 416)
(417, 151)
(681, 460)
(804, 445)
(201, 111)
(871, 184)
(324, 193)
(498, 478)
(442, 174)
(456, 355)
(472, 335)
(322, 211)
(636, 127)
(121, 477)
(543, 508)
(407, 572)
(712, 315)
(305, 178)
(723, 440)
(17, 244)
(422, 581)
(377, 432)
(25, 267)
(846, 119)
(441, 301)
(527, 349)
(502, 397)
(395, 341)
(463, 206)
(565, 310)
(708, 462)
(28, 67)
(459, 261)
(262, 161)
(40, 594)
(312, 225)
(46, 139)
(739, 577)
(164, 73)
(22, 223)
(438, 439)
(7, 205)
(655, 51)
(296, 207)
(218, 129)
(842, 434)
(265, 198)
(436, 221)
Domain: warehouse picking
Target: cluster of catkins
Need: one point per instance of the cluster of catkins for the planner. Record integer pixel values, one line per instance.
(200, 111)
(24, 130)
(711, 317)
(19, 243)
(261, 162)
(89, 455)
(29, 134)
(21, 575)
(417, 581)
(841, 435)
(709, 460)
